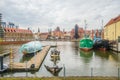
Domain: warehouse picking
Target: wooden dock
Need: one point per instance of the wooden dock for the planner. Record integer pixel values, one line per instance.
(5, 54)
(36, 60)
(115, 47)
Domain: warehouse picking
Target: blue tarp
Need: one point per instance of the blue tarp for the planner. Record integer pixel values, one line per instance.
(31, 47)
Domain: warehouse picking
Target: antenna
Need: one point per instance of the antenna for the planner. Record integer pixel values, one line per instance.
(102, 24)
(85, 27)
(0, 19)
(102, 30)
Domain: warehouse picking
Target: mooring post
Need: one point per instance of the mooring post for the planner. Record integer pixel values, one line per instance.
(91, 72)
(26, 69)
(1, 62)
(118, 73)
(64, 70)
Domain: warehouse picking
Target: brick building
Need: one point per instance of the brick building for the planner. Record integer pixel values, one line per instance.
(13, 33)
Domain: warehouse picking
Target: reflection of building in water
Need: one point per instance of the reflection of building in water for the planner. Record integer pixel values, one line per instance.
(111, 58)
(14, 33)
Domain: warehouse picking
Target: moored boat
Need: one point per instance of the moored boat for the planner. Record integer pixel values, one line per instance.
(55, 53)
(102, 45)
(86, 44)
(54, 70)
(31, 47)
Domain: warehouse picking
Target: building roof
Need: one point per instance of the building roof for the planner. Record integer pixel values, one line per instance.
(17, 30)
(114, 20)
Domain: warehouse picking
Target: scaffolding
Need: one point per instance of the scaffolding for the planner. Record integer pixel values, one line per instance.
(1, 29)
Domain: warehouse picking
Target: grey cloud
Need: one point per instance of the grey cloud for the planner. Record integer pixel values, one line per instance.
(64, 13)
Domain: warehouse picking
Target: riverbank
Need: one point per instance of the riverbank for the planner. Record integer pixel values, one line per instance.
(61, 78)
(12, 42)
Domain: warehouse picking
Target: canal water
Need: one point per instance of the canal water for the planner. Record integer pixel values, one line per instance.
(74, 61)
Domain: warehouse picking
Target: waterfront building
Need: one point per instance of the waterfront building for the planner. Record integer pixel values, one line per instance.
(57, 33)
(1, 29)
(79, 32)
(43, 36)
(67, 35)
(14, 33)
(112, 29)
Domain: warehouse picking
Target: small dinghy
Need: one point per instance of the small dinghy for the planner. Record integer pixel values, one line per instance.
(54, 70)
(55, 53)
(31, 47)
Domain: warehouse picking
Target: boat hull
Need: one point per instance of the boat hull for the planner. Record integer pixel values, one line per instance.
(101, 45)
(53, 70)
(86, 49)
(86, 44)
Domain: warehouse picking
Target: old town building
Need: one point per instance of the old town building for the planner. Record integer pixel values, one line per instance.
(14, 33)
(79, 31)
(112, 29)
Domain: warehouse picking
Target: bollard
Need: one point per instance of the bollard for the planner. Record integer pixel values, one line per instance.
(64, 71)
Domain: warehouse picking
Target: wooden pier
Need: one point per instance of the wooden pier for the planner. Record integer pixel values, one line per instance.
(115, 47)
(33, 64)
(5, 54)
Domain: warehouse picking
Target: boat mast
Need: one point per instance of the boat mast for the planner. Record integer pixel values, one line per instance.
(101, 29)
(85, 28)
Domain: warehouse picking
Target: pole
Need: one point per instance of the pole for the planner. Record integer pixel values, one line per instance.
(1, 62)
(91, 72)
(64, 70)
(26, 69)
(118, 74)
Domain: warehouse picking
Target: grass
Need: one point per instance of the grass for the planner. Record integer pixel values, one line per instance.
(60, 78)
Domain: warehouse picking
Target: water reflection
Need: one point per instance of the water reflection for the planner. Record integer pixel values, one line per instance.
(26, 58)
(85, 54)
(77, 62)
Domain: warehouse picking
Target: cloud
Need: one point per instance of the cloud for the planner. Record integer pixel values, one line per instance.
(64, 13)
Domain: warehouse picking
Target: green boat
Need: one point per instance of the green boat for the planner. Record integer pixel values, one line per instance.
(86, 44)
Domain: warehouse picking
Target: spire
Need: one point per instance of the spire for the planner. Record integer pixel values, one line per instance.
(38, 29)
(0, 19)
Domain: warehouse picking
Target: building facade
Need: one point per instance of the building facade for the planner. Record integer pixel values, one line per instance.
(13, 33)
(79, 31)
(112, 29)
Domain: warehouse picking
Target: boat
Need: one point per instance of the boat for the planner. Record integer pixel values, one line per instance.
(30, 47)
(86, 44)
(102, 45)
(55, 53)
(54, 70)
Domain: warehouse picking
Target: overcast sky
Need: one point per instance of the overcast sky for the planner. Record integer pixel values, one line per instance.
(47, 14)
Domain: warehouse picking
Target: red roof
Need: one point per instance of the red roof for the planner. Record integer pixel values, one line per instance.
(17, 30)
(113, 20)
